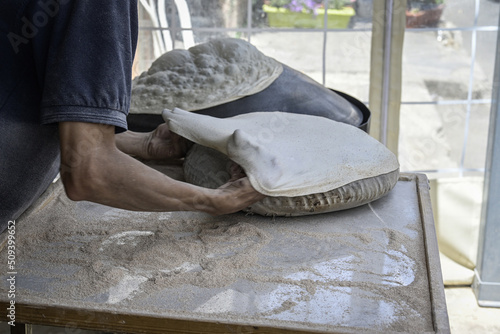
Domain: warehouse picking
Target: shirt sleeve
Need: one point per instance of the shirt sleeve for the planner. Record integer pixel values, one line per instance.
(87, 73)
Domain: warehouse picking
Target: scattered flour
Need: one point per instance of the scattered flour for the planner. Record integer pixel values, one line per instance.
(308, 272)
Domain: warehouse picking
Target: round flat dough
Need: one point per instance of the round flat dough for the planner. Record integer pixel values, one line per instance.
(286, 154)
(206, 75)
(208, 168)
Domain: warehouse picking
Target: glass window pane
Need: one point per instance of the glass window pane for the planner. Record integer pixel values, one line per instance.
(300, 50)
(437, 66)
(348, 63)
(431, 136)
(475, 155)
(144, 55)
(423, 14)
(282, 14)
(459, 12)
(433, 70)
(485, 63)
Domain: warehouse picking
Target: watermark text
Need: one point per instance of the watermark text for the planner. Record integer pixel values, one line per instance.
(11, 272)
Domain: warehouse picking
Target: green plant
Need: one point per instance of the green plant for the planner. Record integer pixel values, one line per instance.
(279, 3)
(309, 6)
(337, 4)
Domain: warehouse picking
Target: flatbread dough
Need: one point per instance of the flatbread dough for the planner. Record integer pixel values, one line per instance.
(286, 154)
(208, 168)
(206, 75)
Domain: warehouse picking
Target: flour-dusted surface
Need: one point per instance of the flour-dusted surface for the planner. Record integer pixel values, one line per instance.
(203, 76)
(359, 270)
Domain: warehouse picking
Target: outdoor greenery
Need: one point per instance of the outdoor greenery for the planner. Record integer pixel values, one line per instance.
(308, 6)
(308, 13)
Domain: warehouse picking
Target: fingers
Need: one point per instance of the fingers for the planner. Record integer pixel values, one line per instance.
(162, 131)
(236, 171)
(236, 195)
(164, 144)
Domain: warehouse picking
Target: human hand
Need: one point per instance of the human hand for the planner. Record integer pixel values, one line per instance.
(234, 196)
(236, 172)
(162, 144)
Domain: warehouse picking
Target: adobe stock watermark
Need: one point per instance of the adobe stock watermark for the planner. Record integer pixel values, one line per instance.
(11, 272)
(31, 26)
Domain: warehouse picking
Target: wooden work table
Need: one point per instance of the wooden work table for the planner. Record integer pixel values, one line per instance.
(373, 269)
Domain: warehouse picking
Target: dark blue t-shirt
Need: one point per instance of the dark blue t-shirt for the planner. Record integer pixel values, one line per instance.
(79, 52)
(60, 60)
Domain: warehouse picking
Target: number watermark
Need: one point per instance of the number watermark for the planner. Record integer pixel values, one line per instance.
(11, 273)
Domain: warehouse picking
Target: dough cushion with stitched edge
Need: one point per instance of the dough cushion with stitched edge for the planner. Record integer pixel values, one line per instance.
(305, 164)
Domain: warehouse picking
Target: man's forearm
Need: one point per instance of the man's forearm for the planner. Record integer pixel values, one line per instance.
(160, 144)
(121, 181)
(93, 169)
(131, 143)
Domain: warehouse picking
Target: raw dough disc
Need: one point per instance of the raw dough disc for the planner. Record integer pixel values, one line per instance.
(203, 76)
(206, 167)
(287, 154)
